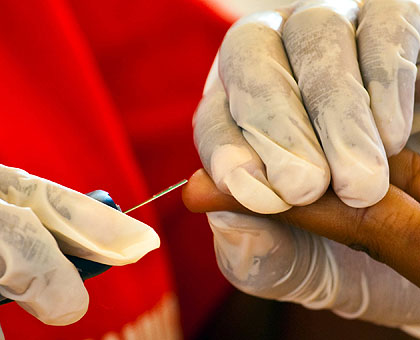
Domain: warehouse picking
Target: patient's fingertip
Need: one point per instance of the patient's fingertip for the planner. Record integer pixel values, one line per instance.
(201, 195)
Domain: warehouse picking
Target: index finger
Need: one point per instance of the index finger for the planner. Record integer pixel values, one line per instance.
(388, 231)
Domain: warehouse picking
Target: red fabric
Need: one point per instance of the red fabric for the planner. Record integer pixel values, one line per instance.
(100, 95)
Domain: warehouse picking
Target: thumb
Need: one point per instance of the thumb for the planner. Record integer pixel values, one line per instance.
(388, 231)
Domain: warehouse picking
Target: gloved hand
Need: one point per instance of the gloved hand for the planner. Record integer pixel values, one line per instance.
(39, 221)
(272, 258)
(270, 145)
(257, 142)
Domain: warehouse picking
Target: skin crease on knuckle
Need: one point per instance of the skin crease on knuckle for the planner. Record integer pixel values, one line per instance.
(395, 233)
(360, 239)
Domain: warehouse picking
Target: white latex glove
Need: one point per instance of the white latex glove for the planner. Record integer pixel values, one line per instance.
(273, 159)
(33, 270)
(264, 258)
(256, 141)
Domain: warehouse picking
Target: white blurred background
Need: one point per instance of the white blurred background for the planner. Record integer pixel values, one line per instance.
(232, 9)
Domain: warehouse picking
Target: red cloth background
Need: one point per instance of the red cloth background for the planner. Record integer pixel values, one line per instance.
(100, 95)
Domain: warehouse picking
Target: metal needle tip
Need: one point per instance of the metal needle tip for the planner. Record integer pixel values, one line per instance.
(159, 194)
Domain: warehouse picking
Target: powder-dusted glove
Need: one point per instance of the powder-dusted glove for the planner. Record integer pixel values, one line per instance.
(39, 221)
(256, 130)
(270, 259)
(263, 149)
(266, 258)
